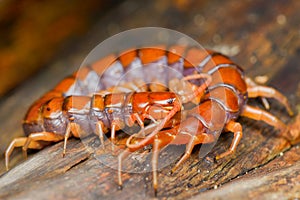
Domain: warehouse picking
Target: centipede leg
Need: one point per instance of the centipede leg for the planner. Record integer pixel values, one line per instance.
(194, 140)
(157, 145)
(237, 130)
(264, 91)
(258, 114)
(250, 83)
(126, 153)
(19, 142)
(100, 132)
(41, 136)
(66, 137)
(188, 151)
(155, 154)
(113, 135)
(121, 157)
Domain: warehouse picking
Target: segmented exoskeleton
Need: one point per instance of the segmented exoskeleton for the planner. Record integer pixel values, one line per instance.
(155, 87)
(90, 102)
(225, 98)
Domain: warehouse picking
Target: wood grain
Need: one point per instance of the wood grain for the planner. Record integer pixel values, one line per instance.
(262, 37)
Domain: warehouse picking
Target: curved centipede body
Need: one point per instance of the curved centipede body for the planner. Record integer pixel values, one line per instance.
(159, 82)
(87, 96)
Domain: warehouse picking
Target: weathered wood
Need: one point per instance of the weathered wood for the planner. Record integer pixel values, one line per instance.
(278, 179)
(281, 184)
(262, 38)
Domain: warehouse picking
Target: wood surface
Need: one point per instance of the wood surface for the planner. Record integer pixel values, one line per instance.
(261, 36)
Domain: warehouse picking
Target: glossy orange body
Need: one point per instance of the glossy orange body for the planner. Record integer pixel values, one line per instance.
(157, 83)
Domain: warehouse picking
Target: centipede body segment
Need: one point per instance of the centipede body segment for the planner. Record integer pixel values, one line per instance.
(159, 82)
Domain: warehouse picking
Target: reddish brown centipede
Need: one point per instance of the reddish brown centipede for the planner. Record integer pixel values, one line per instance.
(63, 111)
(218, 86)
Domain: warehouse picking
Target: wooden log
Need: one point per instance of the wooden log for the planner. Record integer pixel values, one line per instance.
(262, 38)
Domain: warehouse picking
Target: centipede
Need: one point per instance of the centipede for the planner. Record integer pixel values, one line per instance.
(215, 89)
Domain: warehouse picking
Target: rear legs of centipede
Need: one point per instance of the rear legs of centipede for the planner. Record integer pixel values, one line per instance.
(267, 92)
(33, 141)
(39, 140)
(259, 114)
(251, 112)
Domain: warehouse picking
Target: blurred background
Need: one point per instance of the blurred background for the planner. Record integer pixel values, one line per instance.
(35, 32)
